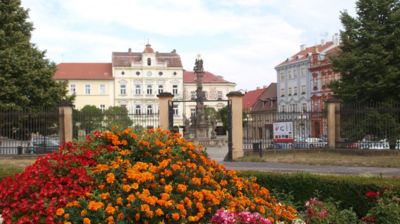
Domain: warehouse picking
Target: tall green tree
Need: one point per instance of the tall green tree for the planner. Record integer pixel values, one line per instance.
(370, 53)
(117, 118)
(25, 74)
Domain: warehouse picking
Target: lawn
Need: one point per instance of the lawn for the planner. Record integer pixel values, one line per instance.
(329, 157)
(11, 166)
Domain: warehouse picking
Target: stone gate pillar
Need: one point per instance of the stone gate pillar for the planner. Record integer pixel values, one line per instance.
(236, 99)
(333, 122)
(65, 122)
(165, 98)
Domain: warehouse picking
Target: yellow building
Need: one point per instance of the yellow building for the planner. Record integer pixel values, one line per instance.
(91, 83)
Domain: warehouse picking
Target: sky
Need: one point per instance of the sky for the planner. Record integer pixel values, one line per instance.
(241, 40)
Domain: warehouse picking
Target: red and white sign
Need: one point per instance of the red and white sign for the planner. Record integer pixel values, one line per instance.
(283, 132)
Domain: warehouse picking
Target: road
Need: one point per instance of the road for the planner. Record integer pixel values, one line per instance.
(218, 154)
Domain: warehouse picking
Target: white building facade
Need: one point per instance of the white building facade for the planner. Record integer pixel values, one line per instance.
(140, 76)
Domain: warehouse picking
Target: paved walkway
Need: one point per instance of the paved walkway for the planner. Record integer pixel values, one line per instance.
(218, 154)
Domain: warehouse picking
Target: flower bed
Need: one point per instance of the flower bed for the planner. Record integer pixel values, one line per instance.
(119, 177)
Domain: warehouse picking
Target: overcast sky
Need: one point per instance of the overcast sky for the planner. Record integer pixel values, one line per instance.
(242, 40)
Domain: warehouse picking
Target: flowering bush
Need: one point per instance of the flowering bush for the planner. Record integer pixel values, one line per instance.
(119, 177)
(386, 209)
(327, 212)
(227, 217)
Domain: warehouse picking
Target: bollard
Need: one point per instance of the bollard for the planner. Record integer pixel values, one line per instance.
(19, 150)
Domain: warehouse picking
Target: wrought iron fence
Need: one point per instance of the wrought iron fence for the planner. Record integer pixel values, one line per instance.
(264, 130)
(25, 131)
(369, 126)
(85, 123)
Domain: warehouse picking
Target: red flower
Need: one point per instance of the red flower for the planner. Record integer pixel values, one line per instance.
(368, 219)
(372, 194)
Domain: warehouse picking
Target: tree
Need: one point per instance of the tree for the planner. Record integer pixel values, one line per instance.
(25, 75)
(369, 63)
(91, 118)
(117, 118)
(370, 53)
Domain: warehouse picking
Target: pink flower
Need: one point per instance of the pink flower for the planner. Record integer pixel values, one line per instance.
(323, 213)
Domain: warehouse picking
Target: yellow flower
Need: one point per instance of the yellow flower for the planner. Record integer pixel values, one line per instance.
(60, 212)
(66, 216)
(86, 221)
(135, 186)
(83, 213)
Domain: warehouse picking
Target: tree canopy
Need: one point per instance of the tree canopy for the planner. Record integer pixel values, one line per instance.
(370, 53)
(25, 74)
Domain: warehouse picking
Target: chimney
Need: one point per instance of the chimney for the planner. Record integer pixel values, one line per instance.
(129, 50)
(258, 87)
(302, 47)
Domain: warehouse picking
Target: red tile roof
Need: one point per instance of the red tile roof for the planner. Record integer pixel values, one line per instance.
(190, 77)
(305, 53)
(83, 71)
(126, 59)
(250, 98)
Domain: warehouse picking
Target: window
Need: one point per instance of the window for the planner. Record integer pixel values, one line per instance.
(205, 94)
(149, 61)
(295, 73)
(193, 95)
(295, 90)
(123, 89)
(102, 107)
(102, 89)
(137, 73)
(138, 90)
(149, 109)
(72, 89)
(303, 89)
(175, 90)
(304, 107)
(175, 108)
(149, 90)
(122, 73)
(87, 89)
(282, 77)
(283, 108)
(282, 92)
(123, 105)
(293, 107)
(303, 73)
(290, 91)
(160, 73)
(193, 112)
(138, 110)
(160, 89)
(290, 74)
(219, 95)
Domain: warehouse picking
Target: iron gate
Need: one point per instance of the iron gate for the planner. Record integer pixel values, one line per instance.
(182, 118)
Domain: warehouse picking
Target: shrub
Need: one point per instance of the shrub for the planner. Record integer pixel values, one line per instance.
(385, 210)
(119, 177)
(348, 190)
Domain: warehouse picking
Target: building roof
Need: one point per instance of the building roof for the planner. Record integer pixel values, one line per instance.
(127, 59)
(250, 98)
(267, 99)
(190, 77)
(83, 71)
(303, 54)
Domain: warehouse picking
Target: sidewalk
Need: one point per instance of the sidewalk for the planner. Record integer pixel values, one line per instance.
(218, 154)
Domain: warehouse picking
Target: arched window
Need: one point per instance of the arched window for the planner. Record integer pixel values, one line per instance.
(149, 109)
(148, 61)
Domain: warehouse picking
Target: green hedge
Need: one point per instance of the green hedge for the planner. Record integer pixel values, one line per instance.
(349, 190)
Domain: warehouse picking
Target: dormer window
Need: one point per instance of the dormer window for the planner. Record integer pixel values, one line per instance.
(149, 61)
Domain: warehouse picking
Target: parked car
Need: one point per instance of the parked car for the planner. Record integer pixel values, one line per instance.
(316, 142)
(43, 144)
(381, 144)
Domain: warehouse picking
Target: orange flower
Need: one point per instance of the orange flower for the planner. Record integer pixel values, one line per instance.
(60, 212)
(83, 213)
(110, 178)
(110, 210)
(86, 221)
(135, 186)
(175, 216)
(126, 188)
(168, 188)
(104, 196)
(181, 188)
(131, 198)
(159, 212)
